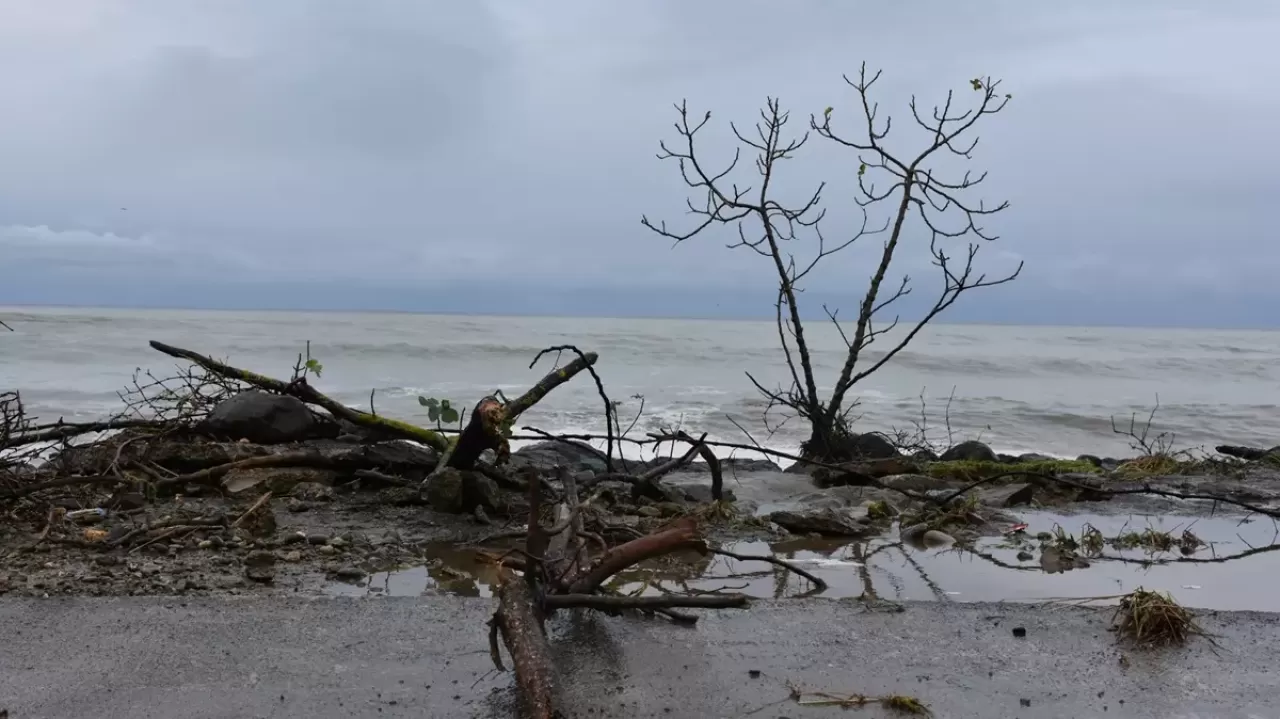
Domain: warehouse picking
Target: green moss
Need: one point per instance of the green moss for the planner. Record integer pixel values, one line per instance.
(971, 471)
(880, 510)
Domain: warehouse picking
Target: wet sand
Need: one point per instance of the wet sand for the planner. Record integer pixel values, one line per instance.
(211, 658)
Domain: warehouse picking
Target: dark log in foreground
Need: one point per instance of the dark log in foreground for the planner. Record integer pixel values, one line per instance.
(559, 575)
(520, 624)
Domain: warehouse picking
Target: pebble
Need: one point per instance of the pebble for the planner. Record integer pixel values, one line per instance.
(349, 573)
(328, 549)
(317, 539)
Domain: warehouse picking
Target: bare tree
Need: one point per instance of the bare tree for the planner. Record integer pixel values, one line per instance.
(770, 228)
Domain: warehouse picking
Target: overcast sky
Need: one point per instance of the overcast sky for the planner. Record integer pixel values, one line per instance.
(388, 154)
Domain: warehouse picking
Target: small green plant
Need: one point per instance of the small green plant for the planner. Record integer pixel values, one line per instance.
(439, 410)
(313, 366)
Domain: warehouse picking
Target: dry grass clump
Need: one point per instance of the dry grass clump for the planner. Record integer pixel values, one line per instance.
(1153, 619)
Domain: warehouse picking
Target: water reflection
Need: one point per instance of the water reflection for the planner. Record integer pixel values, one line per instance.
(1236, 565)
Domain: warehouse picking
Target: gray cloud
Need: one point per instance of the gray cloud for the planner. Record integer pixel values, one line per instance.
(342, 152)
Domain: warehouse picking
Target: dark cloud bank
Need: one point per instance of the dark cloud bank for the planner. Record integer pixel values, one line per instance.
(389, 155)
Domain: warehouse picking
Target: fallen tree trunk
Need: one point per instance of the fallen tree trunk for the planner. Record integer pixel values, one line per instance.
(520, 623)
(309, 394)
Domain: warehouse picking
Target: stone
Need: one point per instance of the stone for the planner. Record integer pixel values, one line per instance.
(349, 574)
(701, 493)
(571, 455)
(913, 532)
(1033, 457)
(970, 451)
(443, 491)
(871, 445)
(861, 473)
(934, 538)
(831, 522)
(1091, 459)
(1010, 495)
(261, 418)
(260, 566)
(916, 482)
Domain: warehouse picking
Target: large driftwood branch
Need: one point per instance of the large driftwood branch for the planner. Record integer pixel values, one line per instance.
(309, 394)
(520, 624)
(61, 431)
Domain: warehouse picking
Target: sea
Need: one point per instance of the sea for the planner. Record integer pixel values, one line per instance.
(1052, 390)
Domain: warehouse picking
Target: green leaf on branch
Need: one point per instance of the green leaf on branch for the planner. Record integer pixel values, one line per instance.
(448, 414)
(428, 401)
(862, 169)
(313, 365)
(977, 84)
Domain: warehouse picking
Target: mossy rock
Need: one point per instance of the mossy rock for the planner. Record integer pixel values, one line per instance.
(972, 471)
(1156, 465)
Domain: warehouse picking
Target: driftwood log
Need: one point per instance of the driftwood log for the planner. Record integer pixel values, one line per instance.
(559, 573)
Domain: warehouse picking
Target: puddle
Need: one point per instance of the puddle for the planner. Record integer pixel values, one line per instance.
(1236, 568)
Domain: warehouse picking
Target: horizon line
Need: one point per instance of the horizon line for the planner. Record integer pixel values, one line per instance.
(696, 318)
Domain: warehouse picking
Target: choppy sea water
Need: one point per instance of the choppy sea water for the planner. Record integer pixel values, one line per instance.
(1046, 389)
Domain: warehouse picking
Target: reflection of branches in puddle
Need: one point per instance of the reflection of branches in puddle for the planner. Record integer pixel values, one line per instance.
(962, 550)
(1151, 561)
(933, 586)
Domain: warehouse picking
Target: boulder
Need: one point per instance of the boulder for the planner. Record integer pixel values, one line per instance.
(1010, 495)
(858, 473)
(546, 456)
(701, 493)
(1091, 459)
(443, 492)
(261, 417)
(831, 522)
(871, 445)
(969, 451)
(1033, 457)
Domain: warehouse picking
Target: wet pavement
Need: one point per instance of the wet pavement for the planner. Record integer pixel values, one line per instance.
(214, 658)
(1234, 569)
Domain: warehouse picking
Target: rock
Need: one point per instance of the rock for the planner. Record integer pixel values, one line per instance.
(291, 556)
(649, 511)
(349, 574)
(934, 538)
(863, 472)
(1010, 495)
(701, 493)
(845, 522)
(871, 445)
(913, 532)
(262, 418)
(1033, 457)
(916, 482)
(1095, 461)
(443, 492)
(546, 456)
(260, 566)
(125, 501)
(971, 451)
(730, 465)
(924, 455)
